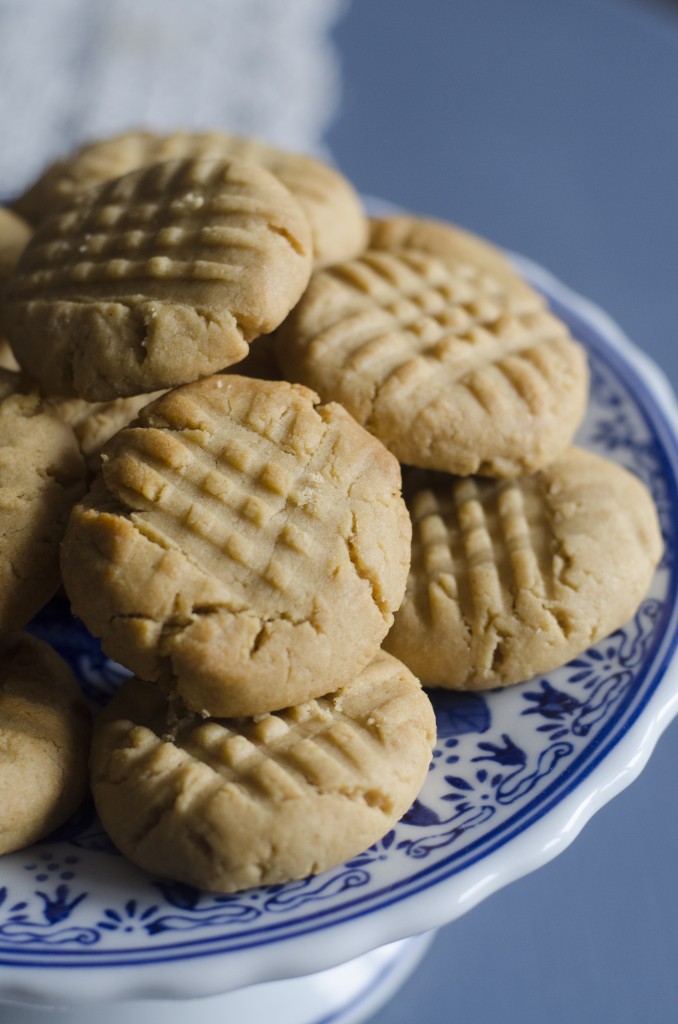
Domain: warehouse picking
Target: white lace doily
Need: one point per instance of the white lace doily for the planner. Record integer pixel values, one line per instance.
(72, 70)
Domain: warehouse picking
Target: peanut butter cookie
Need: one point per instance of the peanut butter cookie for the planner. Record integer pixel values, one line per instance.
(241, 537)
(224, 804)
(44, 741)
(515, 577)
(156, 278)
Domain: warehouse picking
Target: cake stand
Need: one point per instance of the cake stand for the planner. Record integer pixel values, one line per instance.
(514, 777)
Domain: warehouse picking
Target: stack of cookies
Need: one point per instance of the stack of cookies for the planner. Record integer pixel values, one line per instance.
(243, 547)
(252, 371)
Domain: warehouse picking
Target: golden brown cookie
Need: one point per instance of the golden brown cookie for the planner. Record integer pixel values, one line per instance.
(438, 363)
(515, 577)
(330, 202)
(454, 245)
(44, 741)
(41, 476)
(156, 278)
(224, 804)
(241, 538)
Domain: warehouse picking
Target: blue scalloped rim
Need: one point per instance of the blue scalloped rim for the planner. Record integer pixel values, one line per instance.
(560, 728)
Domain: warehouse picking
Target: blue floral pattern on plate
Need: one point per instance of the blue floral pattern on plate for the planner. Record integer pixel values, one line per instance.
(503, 761)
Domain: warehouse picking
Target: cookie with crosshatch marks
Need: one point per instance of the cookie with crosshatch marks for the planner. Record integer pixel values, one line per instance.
(512, 578)
(331, 204)
(157, 278)
(444, 363)
(44, 741)
(225, 804)
(245, 545)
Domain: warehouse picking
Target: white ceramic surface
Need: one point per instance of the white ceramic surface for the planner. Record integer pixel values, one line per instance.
(515, 776)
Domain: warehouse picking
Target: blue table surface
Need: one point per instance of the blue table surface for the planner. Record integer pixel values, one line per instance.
(551, 128)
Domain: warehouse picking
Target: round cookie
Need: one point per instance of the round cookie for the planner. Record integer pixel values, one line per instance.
(334, 211)
(240, 537)
(454, 245)
(516, 577)
(41, 476)
(227, 804)
(439, 362)
(44, 741)
(156, 278)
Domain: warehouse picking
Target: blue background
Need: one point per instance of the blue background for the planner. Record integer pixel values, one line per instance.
(551, 128)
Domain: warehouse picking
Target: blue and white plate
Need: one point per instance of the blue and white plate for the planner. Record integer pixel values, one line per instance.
(515, 775)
